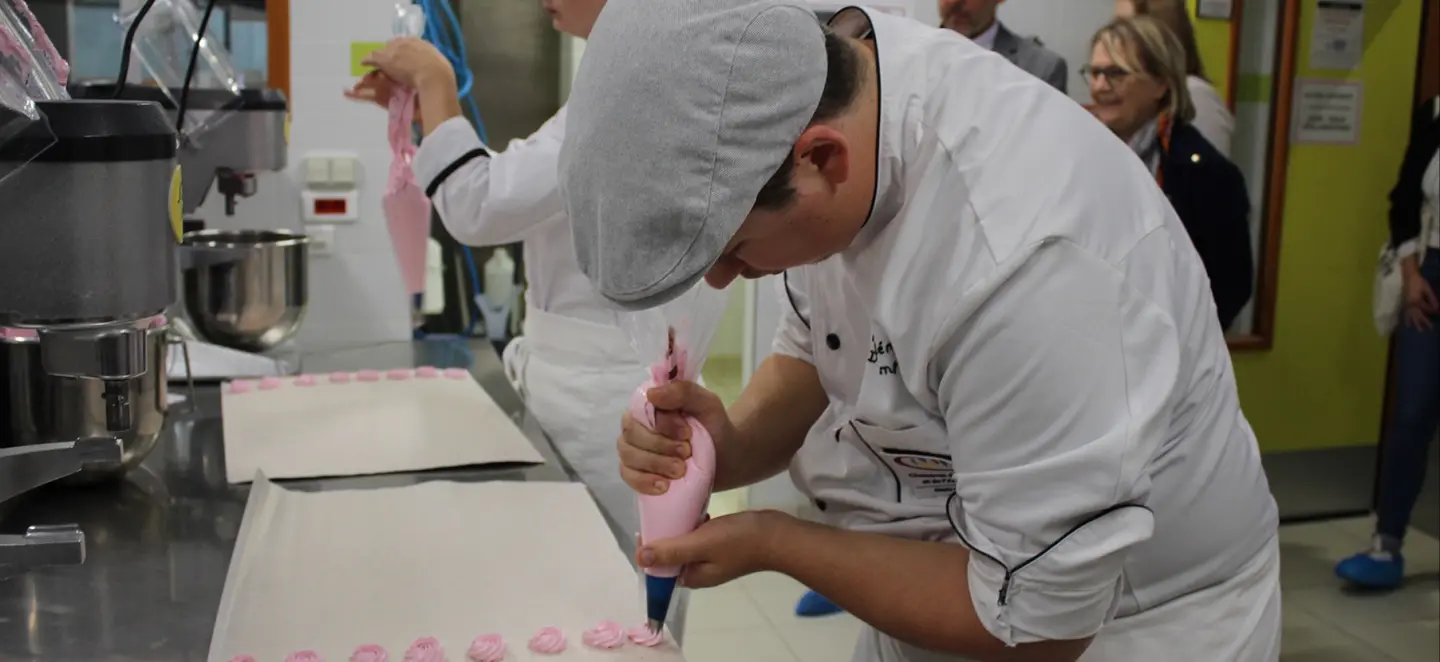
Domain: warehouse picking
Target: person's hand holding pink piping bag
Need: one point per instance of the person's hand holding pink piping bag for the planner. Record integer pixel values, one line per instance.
(681, 507)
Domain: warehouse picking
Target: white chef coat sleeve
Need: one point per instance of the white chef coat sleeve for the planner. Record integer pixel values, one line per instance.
(792, 338)
(488, 199)
(1054, 380)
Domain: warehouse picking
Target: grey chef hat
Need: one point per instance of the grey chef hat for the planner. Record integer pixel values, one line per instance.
(680, 112)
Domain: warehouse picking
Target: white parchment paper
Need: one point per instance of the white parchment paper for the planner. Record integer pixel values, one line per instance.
(330, 571)
(365, 428)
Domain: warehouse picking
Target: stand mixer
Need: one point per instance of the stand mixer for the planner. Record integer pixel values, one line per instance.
(244, 291)
(85, 255)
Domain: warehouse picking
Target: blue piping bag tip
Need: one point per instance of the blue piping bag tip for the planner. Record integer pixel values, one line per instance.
(658, 592)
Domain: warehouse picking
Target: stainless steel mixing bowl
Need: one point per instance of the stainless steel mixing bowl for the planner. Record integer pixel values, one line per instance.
(40, 408)
(245, 289)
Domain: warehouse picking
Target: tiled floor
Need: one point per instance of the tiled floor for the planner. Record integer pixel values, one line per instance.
(1323, 622)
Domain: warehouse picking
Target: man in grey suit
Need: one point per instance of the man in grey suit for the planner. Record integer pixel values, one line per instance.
(976, 19)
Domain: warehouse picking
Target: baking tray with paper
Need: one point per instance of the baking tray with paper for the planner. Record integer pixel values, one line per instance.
(329, 571)
(366, 428)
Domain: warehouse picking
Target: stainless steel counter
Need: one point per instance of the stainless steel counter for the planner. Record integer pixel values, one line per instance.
(159, 542)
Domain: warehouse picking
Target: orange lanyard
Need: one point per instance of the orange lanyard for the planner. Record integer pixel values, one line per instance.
(1163, 129)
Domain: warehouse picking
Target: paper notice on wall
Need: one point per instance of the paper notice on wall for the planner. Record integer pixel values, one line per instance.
(1338, 38)
(1327, 112)
(1220, 10)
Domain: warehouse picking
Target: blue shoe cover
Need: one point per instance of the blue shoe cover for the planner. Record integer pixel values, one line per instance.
(1373, 570)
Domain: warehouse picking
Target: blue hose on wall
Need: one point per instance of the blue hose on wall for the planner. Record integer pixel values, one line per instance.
(442, 29)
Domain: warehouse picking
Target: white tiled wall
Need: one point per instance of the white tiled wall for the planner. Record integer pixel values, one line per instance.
(356, 293)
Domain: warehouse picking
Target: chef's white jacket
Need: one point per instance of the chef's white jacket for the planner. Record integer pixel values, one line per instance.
(1021, 355)
(491, 199)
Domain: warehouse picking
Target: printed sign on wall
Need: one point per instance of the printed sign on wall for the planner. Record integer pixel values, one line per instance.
(1327, 112)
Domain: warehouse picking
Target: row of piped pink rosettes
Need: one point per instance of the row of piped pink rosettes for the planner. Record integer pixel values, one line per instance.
(607, 635)
(271, 383)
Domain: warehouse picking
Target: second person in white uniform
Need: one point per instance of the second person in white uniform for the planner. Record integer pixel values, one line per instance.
(1001, 378)
(573, 366)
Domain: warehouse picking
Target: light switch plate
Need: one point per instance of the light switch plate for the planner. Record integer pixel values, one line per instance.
(322, 240)
(344, 172)
(317, 171)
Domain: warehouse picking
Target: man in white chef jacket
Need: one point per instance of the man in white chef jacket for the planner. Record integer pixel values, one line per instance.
(1000, 378)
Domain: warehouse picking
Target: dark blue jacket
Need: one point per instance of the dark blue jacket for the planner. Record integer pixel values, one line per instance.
(1209, 194)
(1407, 198)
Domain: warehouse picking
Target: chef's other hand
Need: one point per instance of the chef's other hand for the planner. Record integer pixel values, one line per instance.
(412, 62)
(650, 459)
(721, 550)
(374, 87)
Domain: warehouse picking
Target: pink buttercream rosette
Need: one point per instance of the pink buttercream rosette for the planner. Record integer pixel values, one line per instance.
(425, 649)
(607, 635)
(370, 653)
(642, 635)
(304, 656)
(548, 641)
(243, 658)
(487, 648)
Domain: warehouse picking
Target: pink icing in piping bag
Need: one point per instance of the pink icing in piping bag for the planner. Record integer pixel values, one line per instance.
(407, 209)
(42, 42)
(682, 507)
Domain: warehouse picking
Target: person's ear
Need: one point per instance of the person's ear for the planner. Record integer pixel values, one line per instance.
(824, 151)
(1162, 95)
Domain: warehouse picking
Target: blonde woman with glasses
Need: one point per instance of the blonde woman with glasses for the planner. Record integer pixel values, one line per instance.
(1138, 85)
(1213, 118)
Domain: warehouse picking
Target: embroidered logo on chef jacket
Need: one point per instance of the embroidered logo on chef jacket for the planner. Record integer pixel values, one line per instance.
(922, 474)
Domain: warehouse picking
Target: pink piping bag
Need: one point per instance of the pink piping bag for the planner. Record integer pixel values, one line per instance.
(674, 340)
(407, 210)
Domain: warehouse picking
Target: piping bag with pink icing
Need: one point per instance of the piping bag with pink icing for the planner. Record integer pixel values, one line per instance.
(680, 332)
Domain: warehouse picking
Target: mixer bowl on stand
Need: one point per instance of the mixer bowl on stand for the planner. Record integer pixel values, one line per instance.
(41, 408)
(245, 289)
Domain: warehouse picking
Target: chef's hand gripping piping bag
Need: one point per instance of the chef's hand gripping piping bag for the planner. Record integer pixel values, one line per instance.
(674, 341)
